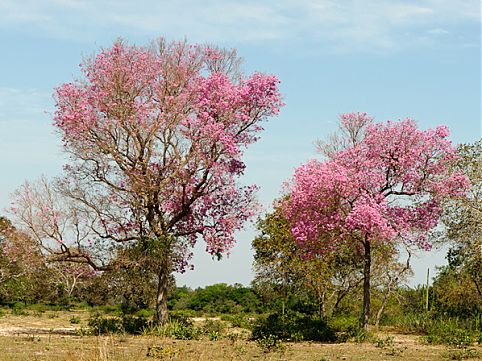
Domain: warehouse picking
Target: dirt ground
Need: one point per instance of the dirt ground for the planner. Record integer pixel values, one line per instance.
(51, 336)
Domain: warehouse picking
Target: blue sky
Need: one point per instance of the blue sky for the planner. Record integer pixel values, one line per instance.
(391, 58)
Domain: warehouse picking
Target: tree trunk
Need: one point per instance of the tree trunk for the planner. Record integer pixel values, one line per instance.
(321, 304)
(382, 307)
(366, 283)
(477, 287)
(162, 292)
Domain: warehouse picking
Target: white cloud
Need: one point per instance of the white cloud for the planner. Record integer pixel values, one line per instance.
(352, 24)
(438, 31)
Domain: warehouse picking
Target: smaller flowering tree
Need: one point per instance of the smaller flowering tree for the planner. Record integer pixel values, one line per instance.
(385, 183)
(18, 254)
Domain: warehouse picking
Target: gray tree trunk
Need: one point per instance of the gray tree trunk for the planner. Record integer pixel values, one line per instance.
(366, 283)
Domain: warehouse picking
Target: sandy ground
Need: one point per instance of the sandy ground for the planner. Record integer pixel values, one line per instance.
(52, 336)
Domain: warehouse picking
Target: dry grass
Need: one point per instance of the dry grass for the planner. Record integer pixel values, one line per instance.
(145, 348)
(37, 340)
(45, 322)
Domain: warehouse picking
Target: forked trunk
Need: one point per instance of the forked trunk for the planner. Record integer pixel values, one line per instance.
(367, 260)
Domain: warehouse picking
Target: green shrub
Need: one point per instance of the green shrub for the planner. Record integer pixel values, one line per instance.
(183, 331)
(145, 313)
(269, 343)
(452, 331)
(109, 309)
(82, 305)
(384, 342)
(18, 309)
(414, 322)
(133, 325)
(448, 332)
(345, 327)
(238, 320)
(182, 314)
(74, 320)
(292, 327)
(213, 326)
(177, 329)
(100, 325)
(462, 354)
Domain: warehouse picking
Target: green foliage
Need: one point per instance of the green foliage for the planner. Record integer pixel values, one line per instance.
(145, 313)
(108, 308)
(292, 327)
(185, 313)
(19, 309)
(346, 327)
(133, 324)
(385, 342)
(213, 327)
(463, 354)
(459, 286)
(100, 324)
(270, 343)
(182, 331)
(237, 320)
(454, 293)
(388, 344)
(286, 279)
(452, 331)
(216, 299)
(177, 329)
(74, 320)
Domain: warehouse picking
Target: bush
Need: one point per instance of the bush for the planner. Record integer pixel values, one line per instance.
(145, 313)
(74, 320)
(182, 314)
(133, 325)
(292, 327)
(183, 331)
(173, 329)
(414, 322)
(100, 325)
(270, 343)
(345, 327)
(18, 309)
(238, 320)
(213, 329)
(452, 331)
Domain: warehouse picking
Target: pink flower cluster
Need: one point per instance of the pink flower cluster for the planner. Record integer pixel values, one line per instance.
(387, 187)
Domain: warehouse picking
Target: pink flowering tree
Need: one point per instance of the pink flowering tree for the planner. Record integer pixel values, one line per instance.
(380, 182)
(156, 137)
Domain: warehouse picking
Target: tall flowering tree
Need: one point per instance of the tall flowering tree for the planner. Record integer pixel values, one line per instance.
(381, 182)
(156, 137)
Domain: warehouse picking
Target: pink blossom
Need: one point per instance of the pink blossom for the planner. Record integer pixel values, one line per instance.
(386, 187)
(165, 130)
